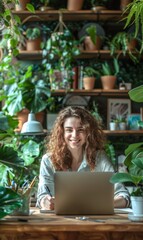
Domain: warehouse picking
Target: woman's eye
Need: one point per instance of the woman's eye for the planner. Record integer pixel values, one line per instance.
(68, 130)
(81, 130)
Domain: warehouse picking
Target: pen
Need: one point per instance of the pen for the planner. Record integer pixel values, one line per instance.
(47, 188)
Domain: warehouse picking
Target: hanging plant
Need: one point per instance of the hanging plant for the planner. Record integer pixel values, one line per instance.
(63, 47)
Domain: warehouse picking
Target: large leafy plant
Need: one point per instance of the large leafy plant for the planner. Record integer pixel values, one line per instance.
(22, 88)
(134, 164)
(19, 157)
(134, 155)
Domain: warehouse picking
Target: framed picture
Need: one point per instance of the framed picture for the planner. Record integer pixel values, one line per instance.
(118, 108)
(133, 120)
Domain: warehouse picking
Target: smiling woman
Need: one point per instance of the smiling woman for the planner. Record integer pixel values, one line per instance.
(77, 144)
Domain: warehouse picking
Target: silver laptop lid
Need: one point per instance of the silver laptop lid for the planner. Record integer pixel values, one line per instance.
(78, 193)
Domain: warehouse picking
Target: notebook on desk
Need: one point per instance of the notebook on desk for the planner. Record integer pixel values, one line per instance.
(83, 193)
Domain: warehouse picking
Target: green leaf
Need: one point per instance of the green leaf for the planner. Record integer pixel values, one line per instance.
(9, 201)
(136, 94)
(30, 8)
(125, 177)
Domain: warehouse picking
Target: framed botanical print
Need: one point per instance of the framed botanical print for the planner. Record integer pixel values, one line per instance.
(118, 108)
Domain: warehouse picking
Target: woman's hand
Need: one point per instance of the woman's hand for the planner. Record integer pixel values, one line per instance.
(47, 202)
(120, 202)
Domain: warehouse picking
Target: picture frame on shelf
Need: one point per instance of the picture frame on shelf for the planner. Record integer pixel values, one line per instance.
(133, 121)
(117, 108)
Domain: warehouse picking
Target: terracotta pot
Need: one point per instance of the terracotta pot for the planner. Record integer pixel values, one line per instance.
(88, 83)
(108, 82)
(33, 45)
(22, 5)
(23, 117)
(90, 46)
(132, 44)
(124, 3)
(74, 5)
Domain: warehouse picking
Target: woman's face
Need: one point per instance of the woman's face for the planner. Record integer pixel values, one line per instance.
(74, 133)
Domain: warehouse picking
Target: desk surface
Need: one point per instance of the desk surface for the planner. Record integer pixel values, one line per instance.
(48, 226)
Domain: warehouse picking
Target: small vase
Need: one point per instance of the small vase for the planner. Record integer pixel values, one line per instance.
(113, 126)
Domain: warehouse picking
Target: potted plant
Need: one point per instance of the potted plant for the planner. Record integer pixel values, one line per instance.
(19, 163)
(92, 36)
(63, 47)
(134, 16)
(33, 36)
(23, 89)
(109, 71)
(133, 162)
(125, 43)
(89, 74)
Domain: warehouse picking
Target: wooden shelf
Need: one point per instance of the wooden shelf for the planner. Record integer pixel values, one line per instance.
(123, 132)
(100, 54)
(52, 15)
(94, 92)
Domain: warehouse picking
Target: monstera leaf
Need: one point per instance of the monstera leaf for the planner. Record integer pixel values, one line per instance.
(9, 201)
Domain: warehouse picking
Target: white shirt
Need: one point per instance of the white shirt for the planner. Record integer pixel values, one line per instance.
(47, 170)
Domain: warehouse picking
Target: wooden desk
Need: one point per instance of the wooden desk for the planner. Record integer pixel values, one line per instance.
(51, 227)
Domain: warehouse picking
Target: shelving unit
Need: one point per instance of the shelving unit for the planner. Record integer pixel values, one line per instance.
(82, 15)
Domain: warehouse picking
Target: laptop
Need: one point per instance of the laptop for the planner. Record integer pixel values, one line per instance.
(83, 193)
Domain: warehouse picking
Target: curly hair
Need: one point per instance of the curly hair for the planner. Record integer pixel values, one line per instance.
(57, 148)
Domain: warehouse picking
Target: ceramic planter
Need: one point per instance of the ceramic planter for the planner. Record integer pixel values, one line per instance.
(122, 126)
(113, 126)
(137, 205)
